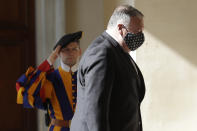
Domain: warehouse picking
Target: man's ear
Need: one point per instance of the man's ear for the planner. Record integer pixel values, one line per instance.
(120, 27)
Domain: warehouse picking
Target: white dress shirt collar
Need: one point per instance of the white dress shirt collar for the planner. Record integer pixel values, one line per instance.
(68, 68)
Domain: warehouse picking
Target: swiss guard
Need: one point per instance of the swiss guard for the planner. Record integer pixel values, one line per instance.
(54, 90)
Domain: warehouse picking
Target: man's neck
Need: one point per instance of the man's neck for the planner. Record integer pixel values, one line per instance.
(113, 35)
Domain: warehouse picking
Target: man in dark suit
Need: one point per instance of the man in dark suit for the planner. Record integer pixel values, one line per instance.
(110, 84)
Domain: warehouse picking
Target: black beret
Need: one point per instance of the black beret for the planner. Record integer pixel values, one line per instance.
(68, 38)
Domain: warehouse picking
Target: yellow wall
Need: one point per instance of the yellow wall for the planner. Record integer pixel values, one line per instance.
(169, 64)
(85, 15)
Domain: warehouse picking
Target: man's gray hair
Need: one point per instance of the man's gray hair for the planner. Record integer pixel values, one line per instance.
(122, 14)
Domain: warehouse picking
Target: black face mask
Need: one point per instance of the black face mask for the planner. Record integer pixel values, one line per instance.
(133, 41)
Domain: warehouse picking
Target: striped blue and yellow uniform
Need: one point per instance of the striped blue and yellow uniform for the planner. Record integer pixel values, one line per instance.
(58, 86)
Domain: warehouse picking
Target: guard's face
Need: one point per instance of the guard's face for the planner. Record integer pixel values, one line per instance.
(70, 54)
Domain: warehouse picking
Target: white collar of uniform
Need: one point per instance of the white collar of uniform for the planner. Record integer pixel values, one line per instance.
(67, 68)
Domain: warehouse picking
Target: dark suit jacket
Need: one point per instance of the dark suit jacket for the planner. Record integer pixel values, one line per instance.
(110, 89)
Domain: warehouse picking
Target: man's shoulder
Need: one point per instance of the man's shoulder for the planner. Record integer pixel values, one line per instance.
(100, 45)
(97, 52)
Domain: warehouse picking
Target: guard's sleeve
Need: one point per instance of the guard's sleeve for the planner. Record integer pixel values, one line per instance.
(99, 79)
(33, 88)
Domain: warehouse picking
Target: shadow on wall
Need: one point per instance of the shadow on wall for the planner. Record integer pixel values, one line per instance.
(174, 23)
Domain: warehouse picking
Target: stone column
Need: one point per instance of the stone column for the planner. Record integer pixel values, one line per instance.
(50, 26)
